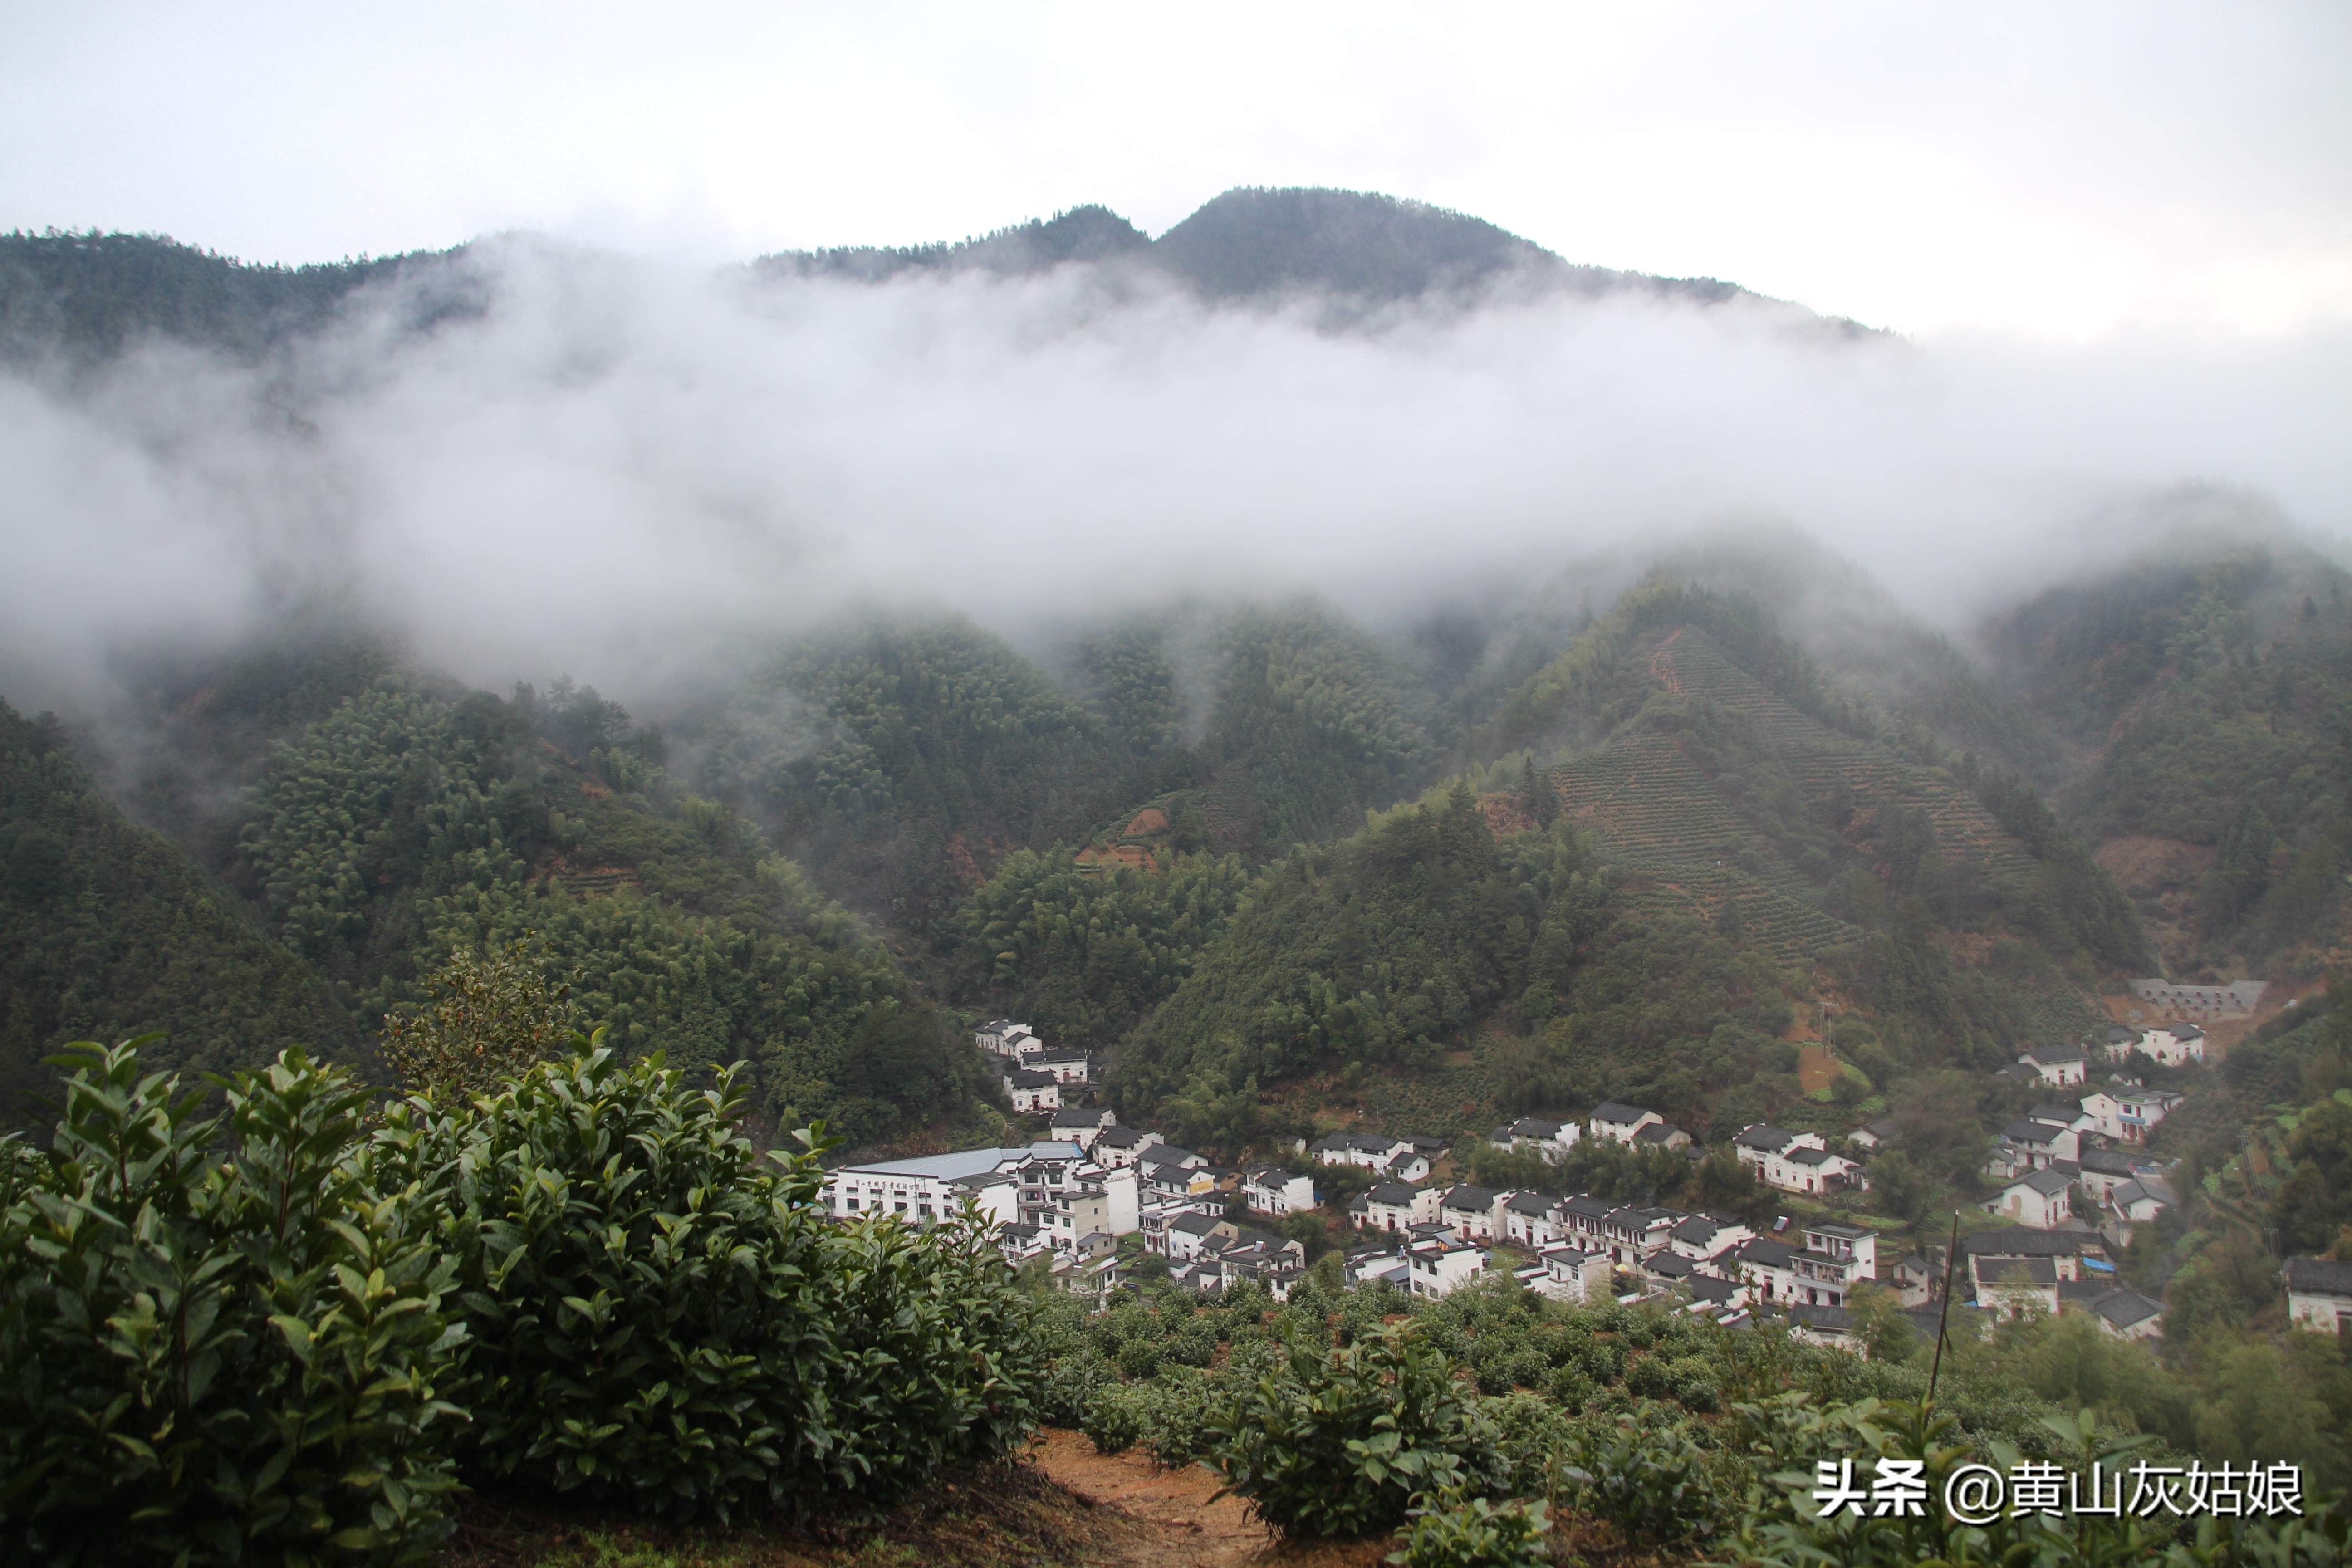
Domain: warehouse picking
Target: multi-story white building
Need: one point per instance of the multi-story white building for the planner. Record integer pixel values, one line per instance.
(1803, 1169)
(1837, 1258)
(1759, 1144)
(1272, 1190)
(1469, 1212)
(1117, 1145)
(1767, 1268)
(1068, 1066)
(2127, 1110)
(1394, 1206)
(1444, 1264)
(930, 1188)
(1572, 1274)
(1532, 1220)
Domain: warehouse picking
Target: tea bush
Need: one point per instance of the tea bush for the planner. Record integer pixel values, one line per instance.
(659, 1322)
(1338, 1440)
(1643, 1474)
(1475, 1534)
(277, 1335)
(219, 1343)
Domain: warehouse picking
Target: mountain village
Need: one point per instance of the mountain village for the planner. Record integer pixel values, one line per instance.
(1095, 1204)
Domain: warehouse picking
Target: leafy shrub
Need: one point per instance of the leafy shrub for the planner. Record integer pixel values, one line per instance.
(1113, 1416)
(492, 1016)
(1642, 1474)
(1475, 1534)
(1070, 1387)
(658, 1321)
(218, 1353)
(1533, 1438)
(1687, 1380)
(1339, 1440)
(1171, 1415)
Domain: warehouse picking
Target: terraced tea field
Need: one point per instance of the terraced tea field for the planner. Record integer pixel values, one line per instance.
(1821, 759)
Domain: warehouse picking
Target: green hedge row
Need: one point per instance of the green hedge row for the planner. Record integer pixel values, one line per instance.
(288, 1331)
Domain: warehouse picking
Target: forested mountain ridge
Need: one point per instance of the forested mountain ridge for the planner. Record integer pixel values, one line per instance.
(1082, 840)
(88, 297)
(93, 295)
(2206, 698)
(1754, 851)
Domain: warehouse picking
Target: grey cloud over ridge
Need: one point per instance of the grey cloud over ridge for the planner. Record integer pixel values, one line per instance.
(623, 465)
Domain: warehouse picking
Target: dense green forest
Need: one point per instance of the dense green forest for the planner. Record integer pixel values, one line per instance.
(93, 295)
(107, 930)
(2216, 690)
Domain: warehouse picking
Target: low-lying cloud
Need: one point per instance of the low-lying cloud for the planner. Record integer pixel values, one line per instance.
(623, 466)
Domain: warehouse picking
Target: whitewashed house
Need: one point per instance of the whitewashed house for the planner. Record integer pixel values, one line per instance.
(1532, 1220)
(2060, 1066)
(1271, 1190)
(1837, 1258)
(1619, 1123)
(1469, 1212)
(1701, 1236)
(1550, 1139)
(1571, 1274)
(2175, 1045)
(1767, 1268)
(925, 1190)
(2127, 1110)
(1117, 1145)
(1082, 1127)
(1032, 1092)
(1760, 1142)
(2039, 1201)
(1442, 1265)
(1068, 1066)
(1805, 1168)
(2128, 1315)
(1394, 1206)
(2319, 1295)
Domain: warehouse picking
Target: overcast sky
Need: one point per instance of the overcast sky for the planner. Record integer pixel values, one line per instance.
(2027, 170)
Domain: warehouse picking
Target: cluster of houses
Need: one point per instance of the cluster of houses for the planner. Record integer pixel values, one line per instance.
(1070, 1201)
(2076, 1179)
(2090, 1143)
(1040, 1079)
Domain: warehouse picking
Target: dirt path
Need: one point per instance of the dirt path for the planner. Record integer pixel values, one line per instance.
(1181, 1527)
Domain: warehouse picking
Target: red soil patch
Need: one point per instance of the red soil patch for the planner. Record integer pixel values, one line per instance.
(962, 863)
(1817, 1068)
(1662, 664)
(1148, 821)
(2144, 867)
(1189, 1526)
(1504, 814)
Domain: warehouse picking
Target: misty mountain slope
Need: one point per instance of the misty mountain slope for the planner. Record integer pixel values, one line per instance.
(901, 759)
(1428, 967)
(93, 295)
(1734, 783)
(2210, 693)
(1254, 242)
(412, 821)
(107, 930)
